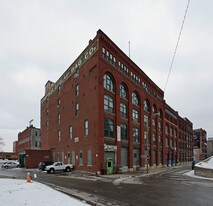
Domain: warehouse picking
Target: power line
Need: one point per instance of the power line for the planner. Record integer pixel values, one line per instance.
(173, 58)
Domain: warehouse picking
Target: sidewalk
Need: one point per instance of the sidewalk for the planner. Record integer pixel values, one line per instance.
(143, 172)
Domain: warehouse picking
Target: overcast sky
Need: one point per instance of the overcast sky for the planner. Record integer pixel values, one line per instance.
(39, 40)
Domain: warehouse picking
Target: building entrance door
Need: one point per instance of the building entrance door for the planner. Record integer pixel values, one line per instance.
(109, 166)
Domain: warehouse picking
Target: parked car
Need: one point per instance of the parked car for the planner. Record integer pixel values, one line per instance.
(2, 165)
(59, 166)
(11, 164)
(42, 165)
(194, 162)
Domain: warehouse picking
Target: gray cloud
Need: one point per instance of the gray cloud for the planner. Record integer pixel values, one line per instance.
(40, 39)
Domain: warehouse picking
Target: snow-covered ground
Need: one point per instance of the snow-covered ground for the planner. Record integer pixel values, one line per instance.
(207, 163)
(19, 193)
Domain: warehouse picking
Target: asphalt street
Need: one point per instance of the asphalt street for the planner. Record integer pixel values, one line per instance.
(167, 186)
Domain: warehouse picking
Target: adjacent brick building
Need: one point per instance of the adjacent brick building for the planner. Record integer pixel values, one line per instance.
(200, 144)
(15, 147)
(179, 137)
(29, 139)
(104, 106)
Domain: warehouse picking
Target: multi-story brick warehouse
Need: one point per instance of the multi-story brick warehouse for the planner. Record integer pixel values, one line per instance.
(104, 106)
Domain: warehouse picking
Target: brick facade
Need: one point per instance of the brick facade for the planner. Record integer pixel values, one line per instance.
(200, 142)
(15, 147)
(30, 138)
(105, 106)
(33, 157)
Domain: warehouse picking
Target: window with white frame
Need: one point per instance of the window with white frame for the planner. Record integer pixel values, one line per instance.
(146, 105)
(77, 90)
(86, 128)
(108, 83)
(135, 99)
(159, 126)
(135, 134)
(146, 121)
(76, 109)
(135, 115)
(153, 123)
(70, 132)
(123, 91)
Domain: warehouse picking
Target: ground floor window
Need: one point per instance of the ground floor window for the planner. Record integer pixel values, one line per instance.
(124, 156)
(136, 156)
(89, 157)
(81, 158)
(73, 157)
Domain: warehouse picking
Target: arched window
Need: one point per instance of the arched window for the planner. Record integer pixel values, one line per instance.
(135, 99)
(108, 128)
(86, 128)
(108, 83)
(146, 106)
(123, 91)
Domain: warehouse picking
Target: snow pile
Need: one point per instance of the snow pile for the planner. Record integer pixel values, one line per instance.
(207, 163)
(19, 193)
(128, 180)
(191, 174)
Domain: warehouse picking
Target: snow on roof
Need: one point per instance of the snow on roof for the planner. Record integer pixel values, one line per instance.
(207, 163)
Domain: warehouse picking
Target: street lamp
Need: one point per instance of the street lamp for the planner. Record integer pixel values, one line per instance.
(147, 143)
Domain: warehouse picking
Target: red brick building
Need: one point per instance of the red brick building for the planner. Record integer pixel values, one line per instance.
(179, 137)
(104, 106)
(15, 147)
(200, 143)
(30, 138)
(8, 155)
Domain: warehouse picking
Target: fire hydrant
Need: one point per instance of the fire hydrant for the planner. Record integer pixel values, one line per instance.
(28, 177)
